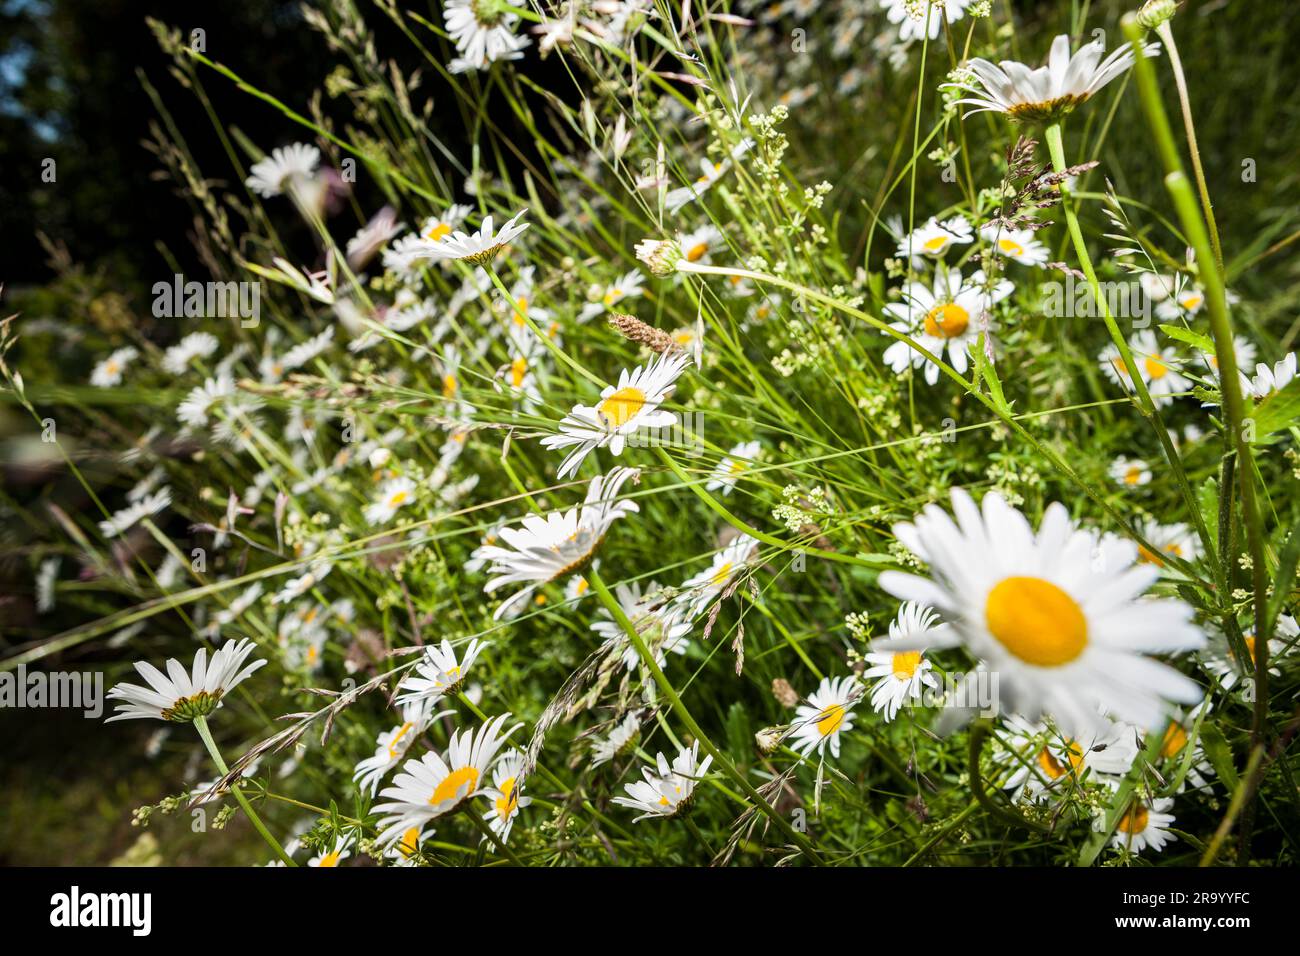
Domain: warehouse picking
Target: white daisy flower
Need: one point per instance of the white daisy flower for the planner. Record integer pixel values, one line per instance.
(479, 248)
(914, 23)
(1019, 245)
(1144, 824)
(1159, 367)
(628, 286)
(147, 506)
(439, 783)
(1040, 762)
(545, 548)
(1130, 472)
(700, 589)
(505, 796)
(663, 626)
(934, 238)
(617, 743)
(710, 173)
(948, 318)
(1220, 660)
(392, 745)
(405, 851)
(382, 226)
(483, 31)
(1175, 540)
(276, 173)
(1048, 92)
(1067, 634)
(666, 790)
(694, 246)
(336, 854)
(903, 675)
(439, 672)
(193, 411)
(1245, 352)
(732, 466)
(828, 713)
(1268, 381)
(297, 587)
(176, 359)
(624, 408)
(109, 372)
(182, 695)
(394, 494)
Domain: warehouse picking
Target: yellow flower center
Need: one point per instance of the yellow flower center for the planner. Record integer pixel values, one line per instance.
(621, 407)
(508, 802)
(1036, 621)
(1011, 248)
(1054, 768)
(329, 859)
(449, 386)
(410, 843)
(935, 244)
(1133, 475)
(393, 750)
(1135, 820)
(463, 779)
(613, 295)
(906, 663)
(1175, 740)
(721, 575)
(946, 321)
(1155, 368)
(830, 719)
(696, 252)
(439, 231)
(518, 369)
(398, 499)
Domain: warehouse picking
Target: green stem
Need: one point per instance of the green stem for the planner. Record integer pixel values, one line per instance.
(201, 725)
(979, 730)
(669, 692)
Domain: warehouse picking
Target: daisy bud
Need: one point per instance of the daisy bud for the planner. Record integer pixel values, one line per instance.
(660, 255)
(380, 457)
(1155, 12)
(768, 739)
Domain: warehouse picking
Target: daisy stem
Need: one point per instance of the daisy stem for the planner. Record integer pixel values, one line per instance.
(665, 685)
(1055, 146)
(201, 725)
(979, 730)
(491, 836)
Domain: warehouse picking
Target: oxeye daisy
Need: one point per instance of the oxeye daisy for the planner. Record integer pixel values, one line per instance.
(478, 248)
(483, 31)
(697, 245)
(194, 410)
(699, 590)
(195, 345)
(917, 19)
(947, 317)
(667, 791)
(710, 173)
(1220, 660)
(904, 674)
(1144, 824)
(828, 713)
(1041, 762)
(391, 745)
(1175, 540)
(182, 695)
(505, 796)
(934, 238)
(394, 494)
(109, 372)
(339, 851)
(286, 165)
(405, 851)
(663, 626)
(619, 741)
(437, 784)
(544, 549)
(1158, 367)
(146, 507)
(624, 408)
(1066, 633)
(732, 466)
(1130, 472)
(1242, 347)
(439, 673)
(1049, 92)
(605, 298)
(1268, 381)
(1019, 245)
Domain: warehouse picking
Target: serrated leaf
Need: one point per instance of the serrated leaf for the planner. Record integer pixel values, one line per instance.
(1219, 754)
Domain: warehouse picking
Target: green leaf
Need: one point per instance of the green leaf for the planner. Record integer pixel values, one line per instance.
(1219, 754)
(1197, 341)
(1280, 410)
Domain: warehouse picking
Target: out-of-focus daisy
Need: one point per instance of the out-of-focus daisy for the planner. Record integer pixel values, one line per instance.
(667, 790)
(394, 494)
(286, 165)
(182, 695)
(619, 741)
(1267, 380)
(1067, 634)
(1220, 660)
(1130, 472)
(934, 238)
(544, 549)
(918, 19)
(1040, 762)
(903, 675)
(479, 248)
(697, 245)
(710, 173)
(1158, 367)
(130, 516)
(700, 589)
(439, 783)
(336, 854)
(1175, 540)
(1245, 352)
(109, 372)
(505, 796)
(439, 672)
(732, 466)
(483, 31)
(947, 317)
(624, 408)
(47, 576)
(1019, 245)
(391, 745)
(629, 285)
(662, 625)
(176, 359)
(195, 408)
(828, 713)
(406, 850)
(1048, 92)
(1144, 824)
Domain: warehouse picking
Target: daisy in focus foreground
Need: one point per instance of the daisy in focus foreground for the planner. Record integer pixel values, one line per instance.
(828, 713)
(667, 791)
(182, 695)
